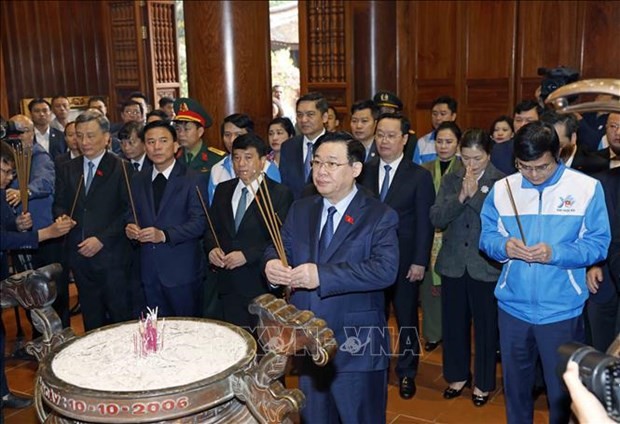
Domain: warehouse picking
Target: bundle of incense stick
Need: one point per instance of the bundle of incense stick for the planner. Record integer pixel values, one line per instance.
(23, 161)
(272, 221)
(133, 207)
(204, 208)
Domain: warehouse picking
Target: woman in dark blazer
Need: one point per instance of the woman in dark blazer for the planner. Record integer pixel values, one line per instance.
(468, 277)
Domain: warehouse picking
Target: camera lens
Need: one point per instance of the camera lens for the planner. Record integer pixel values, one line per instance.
(595, 369)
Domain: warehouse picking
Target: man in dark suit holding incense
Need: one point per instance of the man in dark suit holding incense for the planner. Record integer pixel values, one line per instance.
(92, 190)
(241, 230)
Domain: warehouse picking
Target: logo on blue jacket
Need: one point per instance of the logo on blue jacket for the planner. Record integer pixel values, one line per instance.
(566, 204)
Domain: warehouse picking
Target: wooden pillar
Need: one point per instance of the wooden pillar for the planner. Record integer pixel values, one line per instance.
(229, 61)
(374, 47)
(4, 98)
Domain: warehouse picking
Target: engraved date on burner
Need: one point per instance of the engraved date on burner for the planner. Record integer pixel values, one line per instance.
(140, 408)
(111, 408)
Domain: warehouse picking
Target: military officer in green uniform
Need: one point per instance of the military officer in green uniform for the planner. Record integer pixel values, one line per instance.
(190, 122)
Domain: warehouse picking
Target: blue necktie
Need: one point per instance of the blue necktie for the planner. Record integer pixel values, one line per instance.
(136, 166)
(241, 208)
(328, 230)
(90, 176)
(307, 160)
(386, 183)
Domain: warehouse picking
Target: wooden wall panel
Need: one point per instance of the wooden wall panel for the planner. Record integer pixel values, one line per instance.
(228, 61)
(601, 41)
(548, 37)
(490, 34)
(487, 53)
(127, 52)
(4, 98)
(326, 53)
(435, 63)
(163, 48)
(53, 47)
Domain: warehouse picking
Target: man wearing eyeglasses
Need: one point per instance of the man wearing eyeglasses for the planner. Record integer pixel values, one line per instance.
(242, 234)
(408, 188)
(546, 223)
(132, 111)
(343, 253)
(133, 147)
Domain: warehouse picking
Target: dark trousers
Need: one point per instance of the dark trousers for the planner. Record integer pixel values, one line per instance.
(103, 293)
(346, 397)
(464, 299)
(603, 322)
(53, 251)
(404, 296)
(521, 343)
(235, 311)
(178, 301)
(138, 300)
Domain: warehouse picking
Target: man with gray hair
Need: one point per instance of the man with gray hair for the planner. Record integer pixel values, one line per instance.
(92, 190)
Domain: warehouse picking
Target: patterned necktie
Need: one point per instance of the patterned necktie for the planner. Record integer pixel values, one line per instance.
(328, 230)
(90, 176)
(386, 183)
(241, 208)
(307, 160)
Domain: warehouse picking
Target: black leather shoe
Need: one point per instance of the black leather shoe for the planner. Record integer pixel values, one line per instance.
(537, 391)
(15, 402)
(407, 388)
(479, 400)
(451, 393)
(431, 346)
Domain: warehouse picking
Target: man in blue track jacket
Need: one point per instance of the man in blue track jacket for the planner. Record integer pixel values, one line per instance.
(546, 223)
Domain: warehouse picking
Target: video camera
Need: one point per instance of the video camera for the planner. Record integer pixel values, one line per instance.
(10, 132)
(554, 78)
(599, 372)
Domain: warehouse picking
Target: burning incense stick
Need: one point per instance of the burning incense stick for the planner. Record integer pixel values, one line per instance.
(204, 208)
(514, 208)
(133, 207)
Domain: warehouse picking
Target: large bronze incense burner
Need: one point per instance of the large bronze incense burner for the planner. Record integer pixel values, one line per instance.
(247, 391)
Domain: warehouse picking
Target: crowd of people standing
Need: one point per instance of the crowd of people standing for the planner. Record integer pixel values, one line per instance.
(505, 230)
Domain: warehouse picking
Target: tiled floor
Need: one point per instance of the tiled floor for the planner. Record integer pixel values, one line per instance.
(428, 406)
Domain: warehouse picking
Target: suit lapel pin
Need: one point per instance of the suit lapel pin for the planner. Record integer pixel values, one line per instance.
(484, 189)
(99, 173)
(349, 219)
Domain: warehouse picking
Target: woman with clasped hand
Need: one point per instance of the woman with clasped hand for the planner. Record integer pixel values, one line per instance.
(467, 276)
